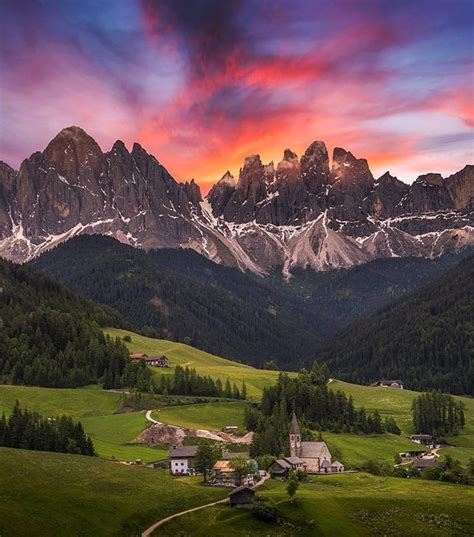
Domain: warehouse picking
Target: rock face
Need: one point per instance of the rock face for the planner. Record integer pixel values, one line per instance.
(301, 213)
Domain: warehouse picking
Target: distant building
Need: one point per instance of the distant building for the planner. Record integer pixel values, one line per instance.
(425, 439)
(421, 464)
(313, 454)
(388, 384)
(159, 360)
(242, 496)
(280, 469)
(182, 459)
(231, 428)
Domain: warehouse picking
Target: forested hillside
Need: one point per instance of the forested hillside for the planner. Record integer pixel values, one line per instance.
(180, 295)
(51, 337)
(425, 339)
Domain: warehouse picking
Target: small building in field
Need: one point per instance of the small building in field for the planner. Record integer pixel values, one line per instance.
(388, 384)
(182, 459)
(242, 496)
(425, 439)
(159, 360)
(231, 428)
(421, 464)
(337, 467)
(412, 453)
(279, 469)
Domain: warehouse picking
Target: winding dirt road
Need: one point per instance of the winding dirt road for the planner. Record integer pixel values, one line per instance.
(156, 525)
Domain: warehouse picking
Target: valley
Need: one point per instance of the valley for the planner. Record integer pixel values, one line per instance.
(359, 503)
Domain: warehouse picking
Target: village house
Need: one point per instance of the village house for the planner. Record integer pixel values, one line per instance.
(280, 468)
(425, 439)
(224, 475)
(159, 360)
(388, 384)
(242, 496)
(182, 459)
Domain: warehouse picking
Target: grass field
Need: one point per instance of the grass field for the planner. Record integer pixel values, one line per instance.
(203, 362)
(53, 494)
(204, 416)
(355, 505)
(358, 448)
(112, 436)
(111, 433)
(397, 403)
(77, 402)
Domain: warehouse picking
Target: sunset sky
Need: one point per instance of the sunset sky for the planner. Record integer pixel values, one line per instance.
(203, 83)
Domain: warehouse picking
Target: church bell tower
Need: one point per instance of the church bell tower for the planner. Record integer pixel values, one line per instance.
(295, 437)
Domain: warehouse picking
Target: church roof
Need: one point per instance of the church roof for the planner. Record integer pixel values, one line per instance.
(313, 450)
(294, 427)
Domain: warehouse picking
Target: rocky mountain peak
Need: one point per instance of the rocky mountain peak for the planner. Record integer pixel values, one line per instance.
(72, 147)
(289, 167)
(434, 179)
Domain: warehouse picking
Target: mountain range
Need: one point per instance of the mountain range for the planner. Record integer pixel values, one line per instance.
(302, 213)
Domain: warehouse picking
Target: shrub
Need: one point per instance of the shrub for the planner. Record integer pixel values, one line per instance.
(265, 510)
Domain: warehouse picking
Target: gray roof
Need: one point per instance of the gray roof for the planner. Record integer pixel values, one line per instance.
(232, 454)
(294, 460)
(294, 426)
(282, 463)
(424, 463)
(422, 436)
(182, 452)
(240, 489)
(313, 450)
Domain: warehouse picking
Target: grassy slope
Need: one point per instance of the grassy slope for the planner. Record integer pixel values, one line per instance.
(79, 403)
(358, 505)
(203, 362)
(397, 403)
(212, 416)
(110, 432)
(111, 436)
(69, 495)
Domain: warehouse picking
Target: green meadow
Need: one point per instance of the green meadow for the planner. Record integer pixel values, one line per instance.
(203, 362)
(355, 505)
(212, 416)
(397, 403)
(55, 494)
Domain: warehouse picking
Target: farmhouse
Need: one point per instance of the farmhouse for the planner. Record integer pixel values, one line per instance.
(421, 464)
(313, 454)
(182, 459)
(224, 474)
(388, 384)
(425, 439)
(158, 360)
(242, 496)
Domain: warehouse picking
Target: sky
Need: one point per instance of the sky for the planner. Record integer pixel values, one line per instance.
(203, 83)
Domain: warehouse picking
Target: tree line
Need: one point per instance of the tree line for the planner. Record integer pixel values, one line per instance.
(437, 414)
(186, 381)
(425, 339)
(52, 337)
(317, 407)
(28, 430)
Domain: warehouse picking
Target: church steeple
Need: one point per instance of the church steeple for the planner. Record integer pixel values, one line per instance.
(295, 437)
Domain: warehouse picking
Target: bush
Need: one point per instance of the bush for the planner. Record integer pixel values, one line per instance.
(377, 468)
(127, 338)
(265, 510)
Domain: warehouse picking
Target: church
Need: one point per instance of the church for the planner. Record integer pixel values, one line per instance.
(313, 457)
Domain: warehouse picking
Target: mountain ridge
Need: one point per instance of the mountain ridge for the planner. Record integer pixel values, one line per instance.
(301, 213)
